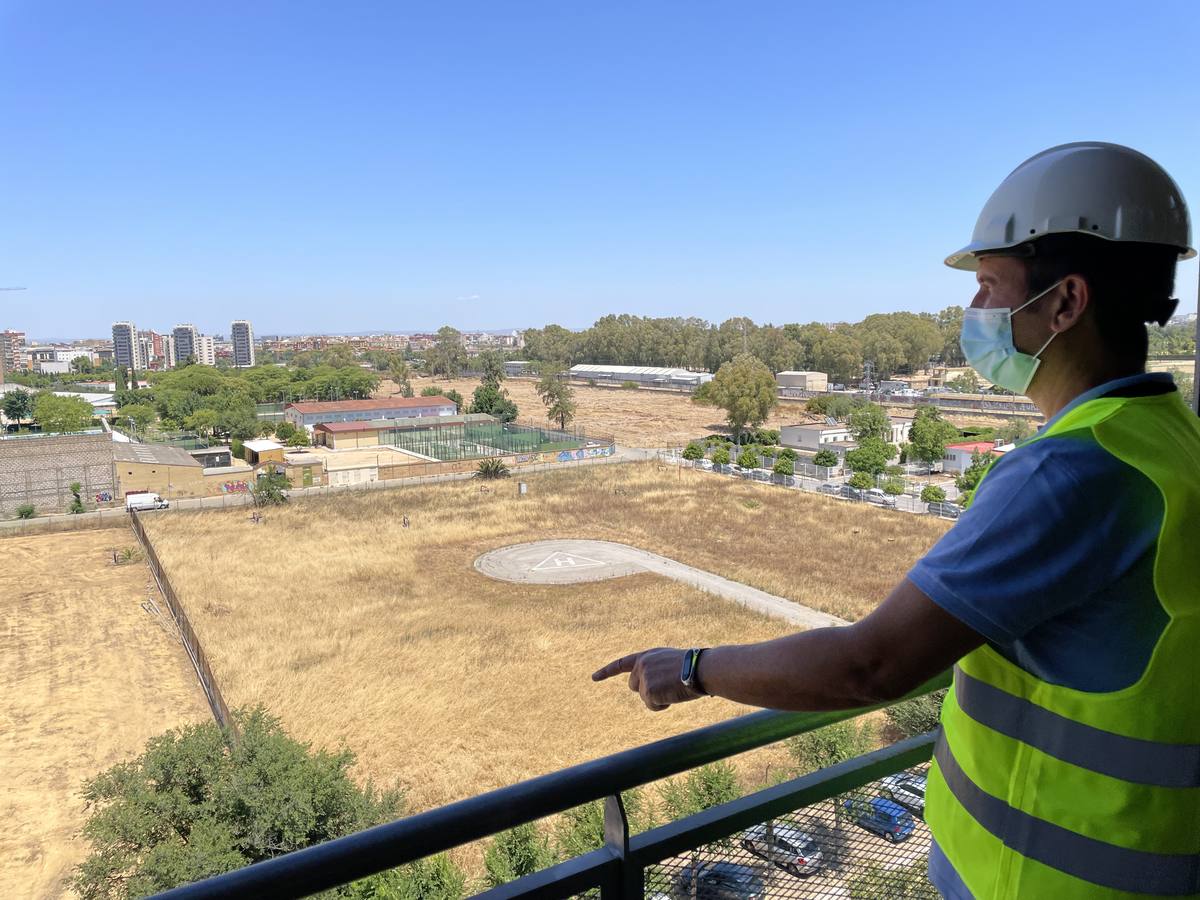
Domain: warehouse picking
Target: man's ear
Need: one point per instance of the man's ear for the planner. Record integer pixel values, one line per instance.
(1069, 303)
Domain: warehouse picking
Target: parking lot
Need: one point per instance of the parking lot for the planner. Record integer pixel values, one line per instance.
(835, 487)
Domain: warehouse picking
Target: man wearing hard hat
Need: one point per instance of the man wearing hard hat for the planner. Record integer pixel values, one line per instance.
(1067, 597)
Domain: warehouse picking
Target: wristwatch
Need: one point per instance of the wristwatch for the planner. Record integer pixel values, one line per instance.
(689, 674)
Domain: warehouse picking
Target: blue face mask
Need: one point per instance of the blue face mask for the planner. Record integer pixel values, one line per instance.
(987, 344)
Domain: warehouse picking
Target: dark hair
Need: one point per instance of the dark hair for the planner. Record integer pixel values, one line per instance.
(1131, 284)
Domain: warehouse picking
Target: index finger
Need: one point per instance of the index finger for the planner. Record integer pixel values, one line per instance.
(616, 667)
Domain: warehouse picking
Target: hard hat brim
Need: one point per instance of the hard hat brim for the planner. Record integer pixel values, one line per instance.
(967, 260)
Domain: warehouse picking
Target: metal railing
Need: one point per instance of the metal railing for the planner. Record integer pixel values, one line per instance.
(618, 869)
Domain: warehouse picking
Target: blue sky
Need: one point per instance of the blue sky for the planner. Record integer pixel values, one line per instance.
(352, 167)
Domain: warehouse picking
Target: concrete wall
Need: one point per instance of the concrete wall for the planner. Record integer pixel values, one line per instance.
(39, 469)
(168, 480)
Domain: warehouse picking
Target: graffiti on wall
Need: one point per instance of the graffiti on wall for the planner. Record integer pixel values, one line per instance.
(104, 497)
(235, 487)
(584, 453)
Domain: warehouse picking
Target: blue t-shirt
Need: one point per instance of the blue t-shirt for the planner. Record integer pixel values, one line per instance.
(1053, 565)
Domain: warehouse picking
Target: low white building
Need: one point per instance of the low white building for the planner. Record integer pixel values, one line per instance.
(815, 437)
(957, 458)
(648, 376)
(803, 381)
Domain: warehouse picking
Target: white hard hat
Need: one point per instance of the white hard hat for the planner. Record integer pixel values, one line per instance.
(1104, 190)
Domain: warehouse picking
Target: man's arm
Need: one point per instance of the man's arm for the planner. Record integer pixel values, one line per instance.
(906, 641)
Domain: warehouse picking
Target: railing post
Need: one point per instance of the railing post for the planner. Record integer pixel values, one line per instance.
(626, 882)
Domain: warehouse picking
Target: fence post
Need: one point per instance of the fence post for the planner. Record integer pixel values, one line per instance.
(626, 882)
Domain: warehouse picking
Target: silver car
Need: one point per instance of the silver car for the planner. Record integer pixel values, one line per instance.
(784, 846)
(906, 789)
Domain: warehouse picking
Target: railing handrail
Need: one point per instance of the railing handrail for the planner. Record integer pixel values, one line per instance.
(406, 840)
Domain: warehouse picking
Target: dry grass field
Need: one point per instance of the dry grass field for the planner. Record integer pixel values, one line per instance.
(360, 632)
(641, 418)
(86, 677)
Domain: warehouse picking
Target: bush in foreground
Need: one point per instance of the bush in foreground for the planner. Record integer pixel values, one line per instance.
(25, 511)
(192, 806)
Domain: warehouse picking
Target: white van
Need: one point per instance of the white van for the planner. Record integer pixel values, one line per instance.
(145, 500)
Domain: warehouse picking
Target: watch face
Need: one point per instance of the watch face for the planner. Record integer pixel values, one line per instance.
(689, 665)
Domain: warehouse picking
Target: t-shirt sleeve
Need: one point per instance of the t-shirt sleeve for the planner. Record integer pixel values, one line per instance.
(1053, 522)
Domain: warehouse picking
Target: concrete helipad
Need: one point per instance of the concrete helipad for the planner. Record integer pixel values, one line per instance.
(572, 562)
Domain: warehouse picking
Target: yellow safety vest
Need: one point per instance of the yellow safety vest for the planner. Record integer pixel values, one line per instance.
(1042, 791)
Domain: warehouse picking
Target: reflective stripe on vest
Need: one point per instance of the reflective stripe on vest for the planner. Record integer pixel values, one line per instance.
(1103, 864)
(1130, 759)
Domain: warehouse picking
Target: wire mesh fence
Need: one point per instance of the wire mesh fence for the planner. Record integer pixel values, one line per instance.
(868, 844)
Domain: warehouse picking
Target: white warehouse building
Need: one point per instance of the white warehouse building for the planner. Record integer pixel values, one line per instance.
(650, 376)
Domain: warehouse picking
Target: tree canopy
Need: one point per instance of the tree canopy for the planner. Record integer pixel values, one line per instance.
(59, 414)
(745, 389)
(929, 435)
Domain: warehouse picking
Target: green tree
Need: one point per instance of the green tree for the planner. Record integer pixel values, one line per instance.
(284, 430)
(59, 414)
(894, 486)
(557, 396)
(76, 505)
(929, 435)
(964, 383)
(270, 490)
(203, 421)
(745, 389)
(720, 456)
(299, 438)
(825, 458)
(969, 479)
(916, 716)
(141, 414)
(457, 399)
(492, 400)
(448, 355)
(870, 421)
(400, 373)
(931, 493)
(870, 456)
(830, 745)
(192, 806)
(693, 451)
(18, 406)
(909, 882)
(700, 789)
(1014, 430)
(491, 365)
(861, 480)
(517, 852)
(784, 467)
(749, 458)
(433, 878)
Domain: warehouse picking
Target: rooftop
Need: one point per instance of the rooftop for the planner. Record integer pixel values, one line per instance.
(973, 446)
(309, 408)
(153, 454)
(407, 423)
(262, 446)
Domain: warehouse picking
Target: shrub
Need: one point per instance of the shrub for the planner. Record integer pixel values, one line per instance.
(896, 471)
(784, 467)
(918, 715)
(75, 507)
(721, 456)
(299, 438)
(765, 436)
(630, 385)
(25, 511)
(431, 392)
(862, 481)
(787, 453)
(931, 493)
(284, 431)
(825, 458)
(515, 853)
(748, 459)
(491, 468)
(700, 789)
(237, 449)
(693, 451)
(894, 486)
(831, 745)
(270, 490)
(581, 830)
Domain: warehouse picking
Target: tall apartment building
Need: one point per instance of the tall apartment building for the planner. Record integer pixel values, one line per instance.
(206, 350)
(242, 336)
(169, 358)
(127, 349)
(12, 352)
(186, 343)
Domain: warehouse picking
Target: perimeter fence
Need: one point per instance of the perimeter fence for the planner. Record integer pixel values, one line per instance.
(191, 641)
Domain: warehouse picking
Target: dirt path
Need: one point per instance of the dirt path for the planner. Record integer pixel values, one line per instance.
(86, 677)
(574, 561)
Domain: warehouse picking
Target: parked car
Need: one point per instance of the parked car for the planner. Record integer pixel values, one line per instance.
(827, 488)
(851, 493)
(945, 509)
(761, 474)
(145, 500)
(888, 819)
(785, 846)
(718, 880)
(877, 496)
(906, 789)
(705, 464)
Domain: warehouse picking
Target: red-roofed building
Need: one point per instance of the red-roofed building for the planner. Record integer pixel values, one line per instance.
(308, 414)
(957, 457)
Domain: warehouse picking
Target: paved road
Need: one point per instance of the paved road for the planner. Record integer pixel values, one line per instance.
(574, 561)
